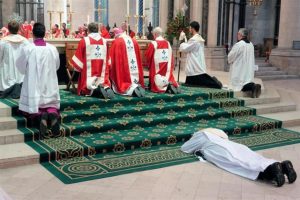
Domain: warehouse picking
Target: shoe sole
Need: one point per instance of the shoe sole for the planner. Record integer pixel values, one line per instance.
(289, 171)
(55, 128)
(43, 125)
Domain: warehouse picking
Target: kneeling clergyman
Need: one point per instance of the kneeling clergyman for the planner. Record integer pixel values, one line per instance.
(91, 61)
(126, 72)
(161, 65)
(213, 145)
(40, 99)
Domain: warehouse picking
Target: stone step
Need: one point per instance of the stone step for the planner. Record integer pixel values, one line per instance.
(274, 108)
(267, 96)
(269, 73)
(11, 136)
(267, 69)
(7, 123)
(5, 111)
(294, 128)
(263, 64)
(18, 154)
(289, 119)
(277, 77)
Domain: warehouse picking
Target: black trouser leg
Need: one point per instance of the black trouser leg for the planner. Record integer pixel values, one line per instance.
(248, 87)
(203, 80)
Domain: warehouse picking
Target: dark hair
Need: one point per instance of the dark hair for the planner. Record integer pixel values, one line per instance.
(13, 27)
(39, 30)
(93, 27)
(195, 25)
(56, 25)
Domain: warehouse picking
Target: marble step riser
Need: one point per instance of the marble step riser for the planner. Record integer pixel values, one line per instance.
(5, 112)
(21, 161)
(291, 122)
(269, 73)
(276, 109)
(258, 101)
(261, 69)
(11, 139)
(6, 125)
(275, 77)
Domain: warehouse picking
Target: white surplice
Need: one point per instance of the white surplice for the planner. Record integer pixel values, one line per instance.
(242, 65)
(10, 47)
(230, 156)
(40, 86)
(195, 59)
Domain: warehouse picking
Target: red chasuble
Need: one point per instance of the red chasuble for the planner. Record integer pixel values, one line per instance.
(91, 60)
(161, 65)
(126, 65)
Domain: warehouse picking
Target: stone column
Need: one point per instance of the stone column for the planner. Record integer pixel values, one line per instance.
(214, 56)
(9, 7)
(163, 14)
(285, 57)
(196, 10)
(1, 20)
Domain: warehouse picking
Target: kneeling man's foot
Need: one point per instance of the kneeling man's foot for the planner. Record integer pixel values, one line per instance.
(55, 127)
(171, 89)
(142, 91)
(136, 92)
(258, 90)
(289, 171)
(110, 93)
(43, 125)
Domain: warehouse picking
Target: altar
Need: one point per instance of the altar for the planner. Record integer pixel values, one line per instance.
(61, 44)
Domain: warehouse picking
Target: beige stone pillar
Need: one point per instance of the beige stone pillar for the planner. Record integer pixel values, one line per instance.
(8, 8)
(212, 23)
(289, 28)
(196, 11)
(285, 57)
(163, 14)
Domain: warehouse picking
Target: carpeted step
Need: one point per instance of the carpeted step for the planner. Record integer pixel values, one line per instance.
(145, 137)
(141, 108)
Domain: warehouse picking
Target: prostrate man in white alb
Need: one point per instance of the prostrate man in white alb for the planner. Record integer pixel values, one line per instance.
(40, 100)
(242, 65)
(213, 145)
(10, 77)
(195, 62)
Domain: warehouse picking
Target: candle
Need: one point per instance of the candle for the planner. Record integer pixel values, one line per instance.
(127, 7)
(88, 19)
(144, 2)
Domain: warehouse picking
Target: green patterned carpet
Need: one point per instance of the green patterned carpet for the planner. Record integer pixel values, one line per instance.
(102, 138)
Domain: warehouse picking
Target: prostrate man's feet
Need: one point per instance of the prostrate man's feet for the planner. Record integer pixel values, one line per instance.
(277, 174)
(258, 90)
(288, 170)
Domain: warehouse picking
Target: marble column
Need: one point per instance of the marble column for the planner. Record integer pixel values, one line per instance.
(1, 19)
(8, 8)
(214, 56)
(196, 10)
(285, 57)
(163, 14)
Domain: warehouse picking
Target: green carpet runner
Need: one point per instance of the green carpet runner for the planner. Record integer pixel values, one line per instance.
(102, 138)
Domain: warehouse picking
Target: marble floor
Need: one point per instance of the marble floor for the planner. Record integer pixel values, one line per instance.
(187, 181)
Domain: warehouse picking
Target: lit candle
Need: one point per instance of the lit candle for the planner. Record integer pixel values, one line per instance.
(127, 7)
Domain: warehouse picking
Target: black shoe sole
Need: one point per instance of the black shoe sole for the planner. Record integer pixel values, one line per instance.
(258, 90)
(289, 171)
(55, 127)
(43, 125)
(278, 177)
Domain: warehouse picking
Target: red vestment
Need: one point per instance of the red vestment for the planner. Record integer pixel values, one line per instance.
(91, 60)
(161, 65)
(126, 66)
(105, 33)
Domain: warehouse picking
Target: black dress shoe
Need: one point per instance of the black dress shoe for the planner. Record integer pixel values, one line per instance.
(110, 93)
(253, 91)
(288, 170)
(277, 174)
(55, 127)
(136, 92)
(43, 125)
(258, 90)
